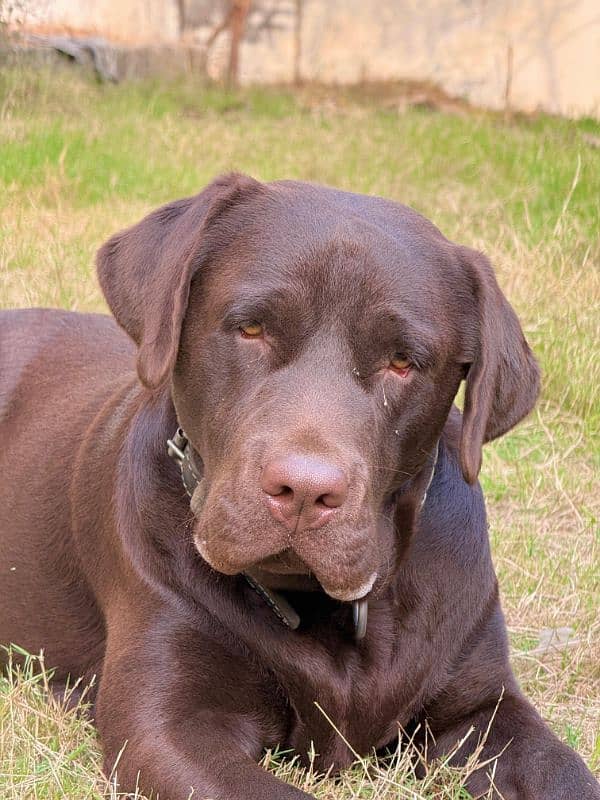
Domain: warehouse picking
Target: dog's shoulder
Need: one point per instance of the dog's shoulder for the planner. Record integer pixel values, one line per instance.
(37, 345)
(26, 331)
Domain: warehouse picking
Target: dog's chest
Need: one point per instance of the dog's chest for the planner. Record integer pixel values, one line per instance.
(348, 706)
(337, 725)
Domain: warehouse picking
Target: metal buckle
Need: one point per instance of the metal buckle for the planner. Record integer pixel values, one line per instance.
(176, 446)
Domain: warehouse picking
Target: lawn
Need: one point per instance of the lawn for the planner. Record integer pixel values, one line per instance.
(79, 160)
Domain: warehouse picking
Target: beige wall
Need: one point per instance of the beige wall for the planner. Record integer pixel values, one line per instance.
(135, 21)
(465, 46)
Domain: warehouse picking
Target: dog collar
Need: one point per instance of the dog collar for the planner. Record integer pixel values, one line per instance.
(182, 452)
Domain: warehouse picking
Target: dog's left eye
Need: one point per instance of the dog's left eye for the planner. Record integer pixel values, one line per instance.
(400, 363)
(251, 331)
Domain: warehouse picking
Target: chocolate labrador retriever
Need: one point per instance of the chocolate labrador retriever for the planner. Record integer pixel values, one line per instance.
(300, 348)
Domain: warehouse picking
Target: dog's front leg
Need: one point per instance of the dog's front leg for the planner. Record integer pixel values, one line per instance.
(188, 716)
(520, 756)
(522, 759)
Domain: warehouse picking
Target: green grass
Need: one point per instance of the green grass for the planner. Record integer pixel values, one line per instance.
(79, 160)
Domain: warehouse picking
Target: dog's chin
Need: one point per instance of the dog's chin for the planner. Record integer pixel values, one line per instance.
(286, 571)
(353, 593)
(307, 582)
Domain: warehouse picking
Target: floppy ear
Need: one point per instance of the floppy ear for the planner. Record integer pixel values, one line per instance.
(145, 271)
(503, 380)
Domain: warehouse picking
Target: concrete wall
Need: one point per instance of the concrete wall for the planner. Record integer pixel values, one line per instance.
(540, 53)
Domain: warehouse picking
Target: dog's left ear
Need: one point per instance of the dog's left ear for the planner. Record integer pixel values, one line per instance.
(145, 271)
(503, 379)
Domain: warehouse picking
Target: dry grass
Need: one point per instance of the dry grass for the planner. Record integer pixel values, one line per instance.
(78, 161)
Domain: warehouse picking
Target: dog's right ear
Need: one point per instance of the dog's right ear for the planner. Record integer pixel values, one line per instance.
(145, 271)
(503, 378)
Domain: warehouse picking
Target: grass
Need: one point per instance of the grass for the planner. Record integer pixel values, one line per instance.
(79, 160)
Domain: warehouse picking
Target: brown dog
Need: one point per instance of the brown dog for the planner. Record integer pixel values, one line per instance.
(310, 343)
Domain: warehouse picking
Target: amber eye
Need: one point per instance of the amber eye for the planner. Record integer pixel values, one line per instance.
(400, 363)
(252, 331)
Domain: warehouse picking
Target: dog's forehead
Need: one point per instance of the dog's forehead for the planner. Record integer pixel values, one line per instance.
(309, 239)
(306, 214)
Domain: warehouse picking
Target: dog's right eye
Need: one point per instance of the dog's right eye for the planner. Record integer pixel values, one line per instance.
(252, 331)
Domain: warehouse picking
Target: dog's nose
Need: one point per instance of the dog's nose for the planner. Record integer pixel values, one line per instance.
(303, 491)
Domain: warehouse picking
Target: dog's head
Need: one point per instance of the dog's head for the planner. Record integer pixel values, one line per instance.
(314, 341)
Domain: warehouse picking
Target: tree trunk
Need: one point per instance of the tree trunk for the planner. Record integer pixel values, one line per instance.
(298, 43)
(180, 5)
(238, 16)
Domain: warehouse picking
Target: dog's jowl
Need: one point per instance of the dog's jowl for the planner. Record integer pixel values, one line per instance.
(249, 497)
